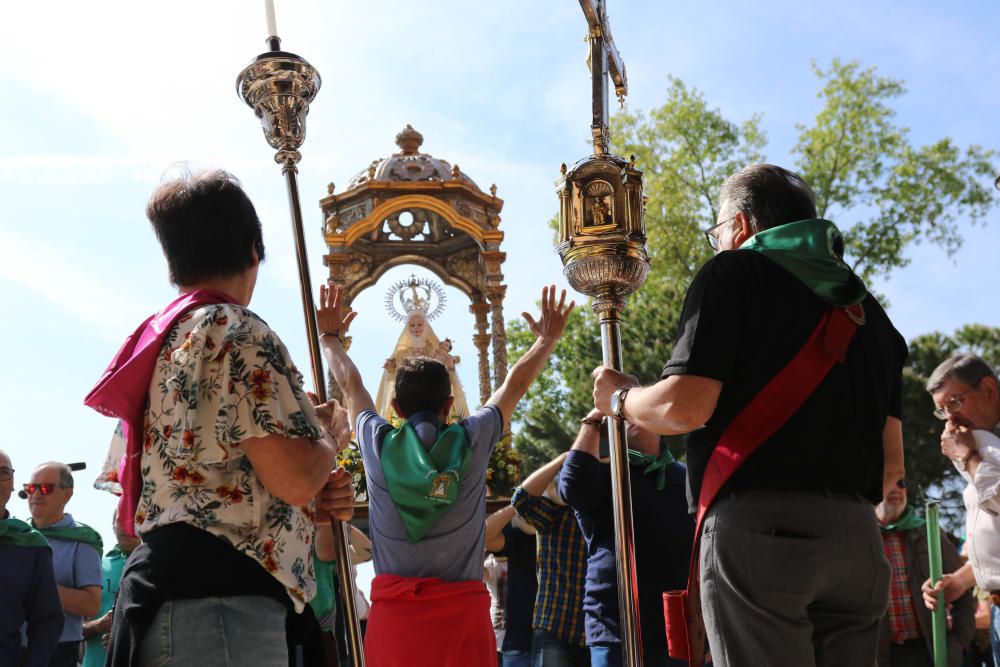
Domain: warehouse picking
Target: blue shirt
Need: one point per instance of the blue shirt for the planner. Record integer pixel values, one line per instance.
(28, 594)
(453, 549)
(663, 533)
(76, 565)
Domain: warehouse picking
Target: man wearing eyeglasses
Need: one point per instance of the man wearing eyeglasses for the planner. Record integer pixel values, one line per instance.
(905, 635)
(76, 555)
(787, 377)
(28, 595)
(966, 396)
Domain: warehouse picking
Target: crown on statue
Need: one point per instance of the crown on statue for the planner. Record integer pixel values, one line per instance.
(415, 295)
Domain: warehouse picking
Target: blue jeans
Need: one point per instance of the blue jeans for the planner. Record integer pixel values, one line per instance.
(516, 658)
(547, 651)
(610, 655)
(242, 630)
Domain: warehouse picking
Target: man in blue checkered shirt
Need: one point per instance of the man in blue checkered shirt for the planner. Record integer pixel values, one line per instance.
(558, 639)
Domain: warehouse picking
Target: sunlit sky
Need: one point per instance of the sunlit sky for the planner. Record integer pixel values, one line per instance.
(99, 99)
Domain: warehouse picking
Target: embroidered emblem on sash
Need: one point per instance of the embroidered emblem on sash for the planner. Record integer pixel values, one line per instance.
(857, 314)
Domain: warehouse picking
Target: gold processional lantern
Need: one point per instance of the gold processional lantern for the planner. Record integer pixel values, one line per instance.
(602, 244)
(279, 87)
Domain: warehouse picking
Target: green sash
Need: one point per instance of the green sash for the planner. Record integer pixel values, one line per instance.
(657, 464)
(908, 520)
(812, 250)
(17, 533)
(81, 533)
(424, 485)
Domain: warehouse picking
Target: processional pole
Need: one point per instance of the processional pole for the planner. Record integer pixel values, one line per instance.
(279, 86)
(602, 244)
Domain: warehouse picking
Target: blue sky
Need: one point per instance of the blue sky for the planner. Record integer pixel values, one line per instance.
(101, 98)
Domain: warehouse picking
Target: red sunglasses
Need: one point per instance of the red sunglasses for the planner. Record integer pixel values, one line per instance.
(45, 487)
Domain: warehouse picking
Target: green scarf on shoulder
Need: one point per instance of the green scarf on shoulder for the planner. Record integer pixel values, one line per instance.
(654, 464)
(423, 485)
(812, 250)
(908, 520)
(16, 533)
(80, 533)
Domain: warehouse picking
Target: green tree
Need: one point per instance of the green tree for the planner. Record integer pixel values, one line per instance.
(884, 192)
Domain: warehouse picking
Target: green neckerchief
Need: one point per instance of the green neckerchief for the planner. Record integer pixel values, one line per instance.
(657, 464)
(81, 533)
(116, 552)
(908, 520)
(812, 250)
(16, 533)
(423, 484)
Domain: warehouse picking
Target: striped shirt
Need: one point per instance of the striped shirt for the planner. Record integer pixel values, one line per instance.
(562, 566)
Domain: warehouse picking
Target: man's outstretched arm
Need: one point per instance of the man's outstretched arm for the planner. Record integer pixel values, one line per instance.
(548, 329)
(333, 326)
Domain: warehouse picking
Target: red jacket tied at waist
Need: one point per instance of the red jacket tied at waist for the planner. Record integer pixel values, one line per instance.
(421, 622)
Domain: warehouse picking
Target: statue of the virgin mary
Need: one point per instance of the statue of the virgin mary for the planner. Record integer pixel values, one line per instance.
(417, 340)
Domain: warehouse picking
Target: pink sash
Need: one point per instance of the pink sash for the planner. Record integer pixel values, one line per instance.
(122, 390)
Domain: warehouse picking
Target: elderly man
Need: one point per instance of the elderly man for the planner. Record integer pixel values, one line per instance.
(76, 554)
(966, 395)
(905, 637)
(787, 376)
(28, 594)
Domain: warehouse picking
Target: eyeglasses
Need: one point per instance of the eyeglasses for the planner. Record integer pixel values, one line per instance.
(952, 404)
(6, 473)
(712, 236)
(45, 487)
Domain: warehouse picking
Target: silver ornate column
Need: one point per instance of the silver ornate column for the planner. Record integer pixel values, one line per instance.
(602, 243)
(279, 86)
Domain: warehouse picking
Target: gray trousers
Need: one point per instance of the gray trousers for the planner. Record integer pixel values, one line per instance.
(791, 579)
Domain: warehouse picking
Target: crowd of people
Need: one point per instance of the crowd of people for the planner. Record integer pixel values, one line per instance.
(785, 538)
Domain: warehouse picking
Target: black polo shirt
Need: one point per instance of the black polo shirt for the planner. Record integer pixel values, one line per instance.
(744, 319)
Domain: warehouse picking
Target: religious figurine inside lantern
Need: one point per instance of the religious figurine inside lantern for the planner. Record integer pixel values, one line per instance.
(418, 339)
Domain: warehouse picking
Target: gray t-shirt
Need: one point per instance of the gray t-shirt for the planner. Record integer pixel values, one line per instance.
(452, 549)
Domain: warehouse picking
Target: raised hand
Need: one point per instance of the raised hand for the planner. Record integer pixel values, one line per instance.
(330, 316)
(552, 319)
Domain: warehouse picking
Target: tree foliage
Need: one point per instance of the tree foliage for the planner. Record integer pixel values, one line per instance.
(884, 192)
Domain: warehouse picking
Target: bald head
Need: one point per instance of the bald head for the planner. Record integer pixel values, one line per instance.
(49, 509)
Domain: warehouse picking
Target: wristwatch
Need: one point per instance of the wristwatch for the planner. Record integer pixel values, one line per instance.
(618, 402)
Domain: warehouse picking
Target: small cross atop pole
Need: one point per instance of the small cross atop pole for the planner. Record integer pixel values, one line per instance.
(604, 60)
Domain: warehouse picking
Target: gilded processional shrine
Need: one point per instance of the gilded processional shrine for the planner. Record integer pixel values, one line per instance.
(413, 208)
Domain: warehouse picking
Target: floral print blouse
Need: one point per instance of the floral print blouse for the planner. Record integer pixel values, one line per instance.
(224, 376)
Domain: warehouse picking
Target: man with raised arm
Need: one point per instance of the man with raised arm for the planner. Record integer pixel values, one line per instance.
(427, 493)
(227, 467)
(787, 376)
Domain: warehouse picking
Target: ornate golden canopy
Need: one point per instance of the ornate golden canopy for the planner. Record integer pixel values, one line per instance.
(413, 208)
